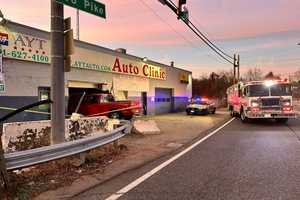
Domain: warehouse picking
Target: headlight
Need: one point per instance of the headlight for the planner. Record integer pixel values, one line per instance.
(254, 104)
(286, 103)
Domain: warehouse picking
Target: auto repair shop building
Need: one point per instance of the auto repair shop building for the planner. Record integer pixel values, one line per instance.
(26, 75)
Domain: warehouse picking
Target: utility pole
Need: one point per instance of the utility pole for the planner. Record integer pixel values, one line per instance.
(238, 67)
(234, 68)
(57, 73)
(77, 24)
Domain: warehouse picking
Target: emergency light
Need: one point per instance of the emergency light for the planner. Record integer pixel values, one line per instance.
(269, 83)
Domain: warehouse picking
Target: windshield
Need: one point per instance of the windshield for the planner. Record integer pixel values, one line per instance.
(258, 90)
(281, 90)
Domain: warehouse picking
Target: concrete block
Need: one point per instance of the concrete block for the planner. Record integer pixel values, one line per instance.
(146, 127)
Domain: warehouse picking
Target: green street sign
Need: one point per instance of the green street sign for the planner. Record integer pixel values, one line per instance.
(90, 6)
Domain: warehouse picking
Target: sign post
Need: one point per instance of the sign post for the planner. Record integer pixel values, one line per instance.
(57, 59)
(57, 73)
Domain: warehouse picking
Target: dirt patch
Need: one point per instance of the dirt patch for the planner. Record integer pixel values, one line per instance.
(30, 182)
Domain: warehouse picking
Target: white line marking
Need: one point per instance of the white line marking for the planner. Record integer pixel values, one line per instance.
(141, 179)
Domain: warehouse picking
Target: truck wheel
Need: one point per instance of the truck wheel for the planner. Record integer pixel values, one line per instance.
(234, 114)
(243, 117)
(282, 120)
(231, 111)
(114, 115)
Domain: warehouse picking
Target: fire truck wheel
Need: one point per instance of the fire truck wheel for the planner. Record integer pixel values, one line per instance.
(282, 120)
(243, 117)
(232, 114)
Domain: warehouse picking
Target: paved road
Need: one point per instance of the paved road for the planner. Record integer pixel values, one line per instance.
(259, 160)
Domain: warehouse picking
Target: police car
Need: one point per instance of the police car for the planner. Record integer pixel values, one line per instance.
(200, 106)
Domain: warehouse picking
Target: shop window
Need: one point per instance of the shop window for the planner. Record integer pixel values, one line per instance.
(44, 94)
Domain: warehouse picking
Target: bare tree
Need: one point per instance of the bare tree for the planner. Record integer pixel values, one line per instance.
(253, 74)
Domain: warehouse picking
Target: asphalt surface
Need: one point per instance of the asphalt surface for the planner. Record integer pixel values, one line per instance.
(259, 160)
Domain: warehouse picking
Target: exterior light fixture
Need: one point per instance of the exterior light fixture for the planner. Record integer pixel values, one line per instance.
(145, 59)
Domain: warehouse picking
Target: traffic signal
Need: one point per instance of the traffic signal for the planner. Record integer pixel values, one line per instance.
(162, 1)
(180, 8)
(68, 44)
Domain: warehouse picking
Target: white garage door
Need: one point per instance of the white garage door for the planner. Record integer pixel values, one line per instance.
(163, 100)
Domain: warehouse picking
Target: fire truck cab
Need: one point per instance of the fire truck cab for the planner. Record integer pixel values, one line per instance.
(270, 99)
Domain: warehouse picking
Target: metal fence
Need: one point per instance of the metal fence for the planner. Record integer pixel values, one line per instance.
(32, 157)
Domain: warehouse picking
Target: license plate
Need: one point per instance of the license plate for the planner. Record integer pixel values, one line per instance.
(192, 111)
(267, 115)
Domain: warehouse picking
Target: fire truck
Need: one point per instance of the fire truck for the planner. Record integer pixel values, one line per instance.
(268, 99)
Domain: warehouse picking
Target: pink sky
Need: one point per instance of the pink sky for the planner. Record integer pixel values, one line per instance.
(133, 24)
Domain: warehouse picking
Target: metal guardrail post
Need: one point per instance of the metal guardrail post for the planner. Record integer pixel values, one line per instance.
(3, 169)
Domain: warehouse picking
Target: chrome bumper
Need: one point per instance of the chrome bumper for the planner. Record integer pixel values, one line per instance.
(271, 115)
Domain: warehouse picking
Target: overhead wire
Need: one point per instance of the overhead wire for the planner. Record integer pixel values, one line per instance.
(170, 26)
(205, 39)
(173, 29)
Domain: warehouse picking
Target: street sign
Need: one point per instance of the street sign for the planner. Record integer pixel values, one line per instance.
(90, 6)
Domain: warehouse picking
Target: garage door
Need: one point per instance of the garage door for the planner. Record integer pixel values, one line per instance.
(163, 100)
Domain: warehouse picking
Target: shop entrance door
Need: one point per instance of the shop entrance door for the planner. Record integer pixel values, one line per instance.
(163, 100)
(144, 102)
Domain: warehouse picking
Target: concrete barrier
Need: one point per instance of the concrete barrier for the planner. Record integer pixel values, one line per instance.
(18, 136)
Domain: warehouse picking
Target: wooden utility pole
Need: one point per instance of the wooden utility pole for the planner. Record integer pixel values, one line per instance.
(234, 69)
(57, 73)
(238, 67)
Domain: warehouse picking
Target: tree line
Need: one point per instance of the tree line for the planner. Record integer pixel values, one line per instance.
(215, 84)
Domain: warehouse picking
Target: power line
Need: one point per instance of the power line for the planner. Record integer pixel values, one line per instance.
(207, 43)
(164, 21)
(204, 38)
(173, 29)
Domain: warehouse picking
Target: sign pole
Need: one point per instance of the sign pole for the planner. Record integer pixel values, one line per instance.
(77, 24)
(57, 73)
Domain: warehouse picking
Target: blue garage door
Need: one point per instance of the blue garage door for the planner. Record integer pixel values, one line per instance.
(163, 100)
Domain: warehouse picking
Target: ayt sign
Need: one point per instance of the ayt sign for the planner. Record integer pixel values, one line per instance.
(90, 6)
(24, 47)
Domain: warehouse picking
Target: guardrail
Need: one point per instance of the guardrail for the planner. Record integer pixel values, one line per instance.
(32, 157)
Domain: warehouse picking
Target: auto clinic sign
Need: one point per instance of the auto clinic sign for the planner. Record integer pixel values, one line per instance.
(30, 48)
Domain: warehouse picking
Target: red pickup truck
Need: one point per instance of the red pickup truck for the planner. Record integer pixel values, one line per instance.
(104, 104)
